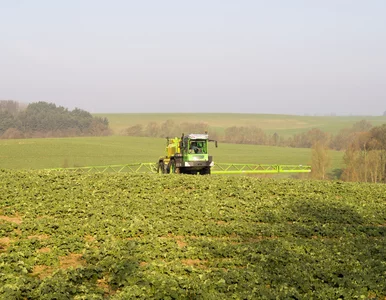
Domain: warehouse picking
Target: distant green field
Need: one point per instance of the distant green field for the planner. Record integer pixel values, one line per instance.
(284, 125)
(99, 151)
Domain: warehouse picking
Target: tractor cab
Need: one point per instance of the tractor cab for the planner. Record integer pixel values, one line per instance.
(195, 147)
(198, 147)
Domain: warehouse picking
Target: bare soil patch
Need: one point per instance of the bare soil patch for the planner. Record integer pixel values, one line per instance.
(15, 219)
(193, 262)
(181, 243)
(143, 264)
(44, 250)
(103, 284)
(42, 271)
(89, 238)
(4, 243)
(39, 237)
(180, 240)
(72, 260)
(221, 222)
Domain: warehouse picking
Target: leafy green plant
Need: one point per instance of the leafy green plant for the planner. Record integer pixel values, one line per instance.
(120, 236)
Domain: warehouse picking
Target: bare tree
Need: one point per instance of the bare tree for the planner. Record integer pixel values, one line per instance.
(320, 160)
(350, 158)
(365, 157)
(135, 130)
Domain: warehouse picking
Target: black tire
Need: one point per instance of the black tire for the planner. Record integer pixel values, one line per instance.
(205, 171)
(161, 167)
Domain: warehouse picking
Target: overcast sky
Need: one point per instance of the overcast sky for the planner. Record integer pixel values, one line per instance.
(244, 56)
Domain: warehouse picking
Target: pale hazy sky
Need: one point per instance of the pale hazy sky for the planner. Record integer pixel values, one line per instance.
(244, 56)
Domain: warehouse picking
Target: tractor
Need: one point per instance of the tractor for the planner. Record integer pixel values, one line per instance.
(187, 155)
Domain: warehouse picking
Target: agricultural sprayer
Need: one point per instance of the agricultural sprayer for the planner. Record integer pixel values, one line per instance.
(190, 155)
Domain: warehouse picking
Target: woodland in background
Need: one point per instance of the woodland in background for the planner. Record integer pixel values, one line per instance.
(42, 119)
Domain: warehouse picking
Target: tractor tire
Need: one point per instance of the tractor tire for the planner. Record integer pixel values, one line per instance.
(205, 171)
(161, 167)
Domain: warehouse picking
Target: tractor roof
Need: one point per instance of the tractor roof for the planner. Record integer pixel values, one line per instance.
(198, 136)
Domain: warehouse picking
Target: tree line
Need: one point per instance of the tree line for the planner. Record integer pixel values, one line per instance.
(365, 156)
(42, 119)
(253, 134)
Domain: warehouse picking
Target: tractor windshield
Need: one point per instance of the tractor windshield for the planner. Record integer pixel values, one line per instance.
(198, 146)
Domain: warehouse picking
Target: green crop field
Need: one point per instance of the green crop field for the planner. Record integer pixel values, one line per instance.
(126, 236)
(284, 125)
(99, 151)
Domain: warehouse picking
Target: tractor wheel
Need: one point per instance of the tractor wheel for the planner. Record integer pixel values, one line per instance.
(205, 171)
(161, 167)
(167, 168)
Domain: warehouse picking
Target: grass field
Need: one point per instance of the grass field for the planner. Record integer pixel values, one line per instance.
(70, 152)
(99, 151)
(284, 125)
(141, 236)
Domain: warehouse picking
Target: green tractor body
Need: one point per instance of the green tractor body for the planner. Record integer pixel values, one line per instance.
(187, 155)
